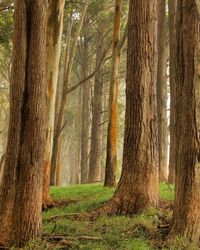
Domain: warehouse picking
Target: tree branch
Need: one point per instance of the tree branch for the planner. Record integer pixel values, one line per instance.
(103, 60)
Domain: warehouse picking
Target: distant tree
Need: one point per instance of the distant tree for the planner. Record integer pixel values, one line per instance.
(172, 6)
(21, 187)
(162, 90)
(186, 217)
(60, 120)
(138, 186)
(86, 98)
(96, 128)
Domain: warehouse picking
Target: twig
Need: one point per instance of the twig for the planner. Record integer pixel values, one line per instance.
(89, 238)
(167, 184)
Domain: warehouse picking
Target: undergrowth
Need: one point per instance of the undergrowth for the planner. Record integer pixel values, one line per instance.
(64, 229)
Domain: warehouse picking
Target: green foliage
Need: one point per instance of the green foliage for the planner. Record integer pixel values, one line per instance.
(6, 29)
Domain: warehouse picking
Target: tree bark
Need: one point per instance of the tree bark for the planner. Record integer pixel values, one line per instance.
(21, 188)
(138, 186)
(186, 217)
(172, 14)
(54, 33)
(96, 131)
(86, 88)
(162, 91)
(111, 157)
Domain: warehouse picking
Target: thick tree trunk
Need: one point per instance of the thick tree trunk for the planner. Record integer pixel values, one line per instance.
(111, 157)
(21, 189)
(54, 33)
(138, 186)
(96, 131)
(162, 91)
(172, 14)
(67, 77)
(186, 217)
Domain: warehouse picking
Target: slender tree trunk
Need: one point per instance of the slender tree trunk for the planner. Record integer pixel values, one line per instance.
(96, 137)
(54, 32)
(21, 189)
(111, 158)
(162, 90)
(186, 217)
(172, 14)
(58, 130)
(86, 92)
(138, 186)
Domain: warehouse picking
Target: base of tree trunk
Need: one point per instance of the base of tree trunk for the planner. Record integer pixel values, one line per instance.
(122, 205)
(47, 203)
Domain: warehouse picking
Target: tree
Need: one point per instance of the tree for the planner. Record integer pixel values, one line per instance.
(96, 130)
(186, 216)
(111, 157)
(162, 90)
(21, 187)
(59, 123)
(138, 186)
(86, 97)
(54, 32)
(172, 17)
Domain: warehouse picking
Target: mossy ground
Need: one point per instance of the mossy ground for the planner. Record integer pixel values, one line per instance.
(62, 229)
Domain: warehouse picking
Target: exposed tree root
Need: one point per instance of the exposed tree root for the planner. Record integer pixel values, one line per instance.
(111, 208)
(47, 203)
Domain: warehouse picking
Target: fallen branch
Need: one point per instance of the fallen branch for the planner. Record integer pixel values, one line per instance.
(60, 217)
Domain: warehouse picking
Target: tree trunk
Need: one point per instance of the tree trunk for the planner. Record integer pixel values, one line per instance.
(21, 189)
(67, 77)
(162, 90)
(96, 131)
(86, 88)
(186, 217)
(54, 33)
(138, 186)
(172, 14)
(111, 157)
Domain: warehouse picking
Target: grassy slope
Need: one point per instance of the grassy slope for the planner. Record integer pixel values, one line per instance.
(137, 233)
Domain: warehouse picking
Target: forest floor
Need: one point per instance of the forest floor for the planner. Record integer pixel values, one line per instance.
(63, 228)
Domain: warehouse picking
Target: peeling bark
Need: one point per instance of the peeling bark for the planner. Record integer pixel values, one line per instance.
(53, 48)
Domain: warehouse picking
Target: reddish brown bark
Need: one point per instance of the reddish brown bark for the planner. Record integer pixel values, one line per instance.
(21, 188)
(186, 217)
(138, 186)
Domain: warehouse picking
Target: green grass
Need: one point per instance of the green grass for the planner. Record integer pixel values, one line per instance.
(111, 233)
(167, 191)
